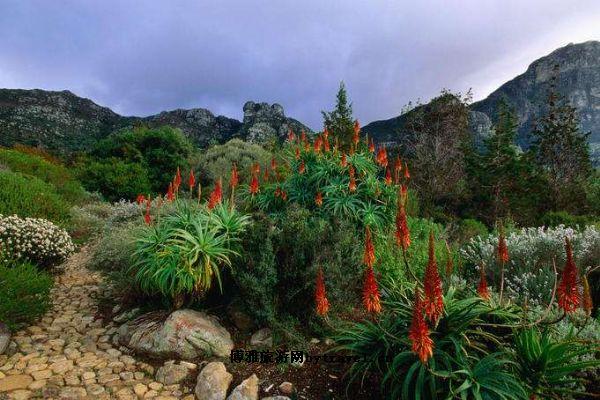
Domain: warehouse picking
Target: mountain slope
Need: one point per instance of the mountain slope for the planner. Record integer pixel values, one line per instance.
(64, 122)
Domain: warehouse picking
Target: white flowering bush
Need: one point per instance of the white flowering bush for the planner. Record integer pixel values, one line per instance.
(34, 239)
(529, 274)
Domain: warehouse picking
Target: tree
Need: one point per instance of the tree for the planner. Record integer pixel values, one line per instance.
(340, 122)
(562, 150)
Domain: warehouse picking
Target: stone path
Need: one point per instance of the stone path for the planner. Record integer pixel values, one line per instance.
(70, 355)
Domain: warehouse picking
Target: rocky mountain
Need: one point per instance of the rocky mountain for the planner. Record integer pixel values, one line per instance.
(63, 121)
(578, 81)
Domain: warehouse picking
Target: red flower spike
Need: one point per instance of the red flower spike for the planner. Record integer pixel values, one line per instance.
(402, 232)
(266, 175)
(277, 192)
(178, 178)
(319, 199)
(382, 157)
(297, 153)
(303, 136)
(371, 146)
(322, 304)
(403, 194)
(147, 218)
(356, 136)
(418, 333)
(388, 177)
(234, 180)
(482, 288)
(283, 195)
(502, 247)
(140, 199)
(406, 172)
(256, 168)
(216, 196)
(291, 135)
(352, 184)
(325, 133)
(326, 145)
(273, 163)
(302, 167)
(170, 192)
(433, 301)
(191, 180)
(254, 189)
(371, 298)
(318, 143)
(369, 255)
(344, 161)
(568, 292)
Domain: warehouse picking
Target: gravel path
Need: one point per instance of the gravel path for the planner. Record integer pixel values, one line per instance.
(70, 355)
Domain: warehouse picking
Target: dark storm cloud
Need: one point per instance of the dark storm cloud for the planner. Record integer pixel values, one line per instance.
(142, 57)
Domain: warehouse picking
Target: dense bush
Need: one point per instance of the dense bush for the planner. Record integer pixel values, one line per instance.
(115, 248)
(28, 196)
(215, 162)
(25, 293)
(55, 174)
(36, 240)
(467, 229)
(529, 271)
(556, 218)
(116, 179)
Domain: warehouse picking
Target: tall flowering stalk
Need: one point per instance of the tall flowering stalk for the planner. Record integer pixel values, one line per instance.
(352, 184)
(371, 297)
(482, 287)
(397, 169)
(147, 216)
(344, 161)
(216, 196)
(406, 172)
(356, 136)
(369, 254)
(192, 181)
(177, 181)
(302, 167)
(291, 135)
(371, 145)
(322, 304)
(170, 192)
(381, 158)
(234, 180)
(418, 333)
(433, 302)
(502, 257)
(568, 292)
(402, 232)
(388, 177)
(140, 199)
(254, 188)
(319, 199)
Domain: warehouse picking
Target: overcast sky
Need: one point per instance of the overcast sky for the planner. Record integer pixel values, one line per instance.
(142, 57)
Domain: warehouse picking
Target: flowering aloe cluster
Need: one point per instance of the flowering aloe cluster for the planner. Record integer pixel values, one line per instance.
(33, 239)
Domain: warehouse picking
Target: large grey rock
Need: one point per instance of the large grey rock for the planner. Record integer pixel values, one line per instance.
(4, 337)
(262, 338)
(185, 334)
(264, 123)
(247, 390)
(213, 382)
(171, 373)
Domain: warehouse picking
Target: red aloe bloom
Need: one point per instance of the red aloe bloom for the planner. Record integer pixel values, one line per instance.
(371, 298)
(403, 194)
(302, 167)
(291, 135)
(422, 345)
(397, 169)
(140, 199)
(266, 175)
(318, 144)
(170, 192)
(568, 292)
(325, 133)
(147, 217)
(235, 177)
(382, 157)
(369, 255)
(402, 232)
(502, 247)
(482, 288)
(433, 301)
(371, 146)
(352, 184)
(320, 298)
(406, 172)
(344, 161)
(303, 136)
(283, 195)
(587, 304)
(388, 177)
(216, 196)
(191, 180)
(319, 199)
(177, 181)
(256, 168)
(326, 144)
(297, 153)
(254, 189)
(356, 136)
(273, 163)
(277, 192)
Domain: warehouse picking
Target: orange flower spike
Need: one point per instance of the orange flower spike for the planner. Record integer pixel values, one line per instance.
(216, 196)
(382, 157)
(192, 180)
(319, 199)
(502, 247)
(352, 184)
(325, 133)
(322, 304)
(170, 192)
(303, 136)
(273, 163)
(326, 145)
(356, 136)
(433, 301)
(147, 216)
(388, 177)
(266, 175)
(302, 167)
(283, 195)
(254, 188)
(369, 255)
(406, 172)
(291, 135)
(344, 161)
(140, 199)
(418, 333)
(317, 145)
(371, 145)
(402, 232)
(482, 287)
(568, 292)
(397, 169)
(178, 178)
(371, 297)
(297, 153)
(235, 177)
(403, 194)
(587, 303)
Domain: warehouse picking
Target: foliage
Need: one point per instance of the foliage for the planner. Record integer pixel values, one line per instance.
(467, 229)
(36, 240)
(339, 121)
(549, 367)
(52, 173)
(25, 293)
(130, 162)
(530, 271)
(29, 196)
(463, 364)
(556, 218)
(114, 249)
(180, 256)
(216, 161)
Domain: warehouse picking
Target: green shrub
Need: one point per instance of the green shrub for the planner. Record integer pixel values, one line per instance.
(556, 218)
(468, 229)
(25, 293)
(216, 161)
(116, 179)
(56, 175)
(115, 249)
(28, 196)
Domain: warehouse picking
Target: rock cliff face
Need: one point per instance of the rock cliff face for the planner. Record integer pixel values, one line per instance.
(578, 80)
(65, 122)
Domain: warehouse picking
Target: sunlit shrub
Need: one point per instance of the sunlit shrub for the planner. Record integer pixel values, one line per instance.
(36, 240)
